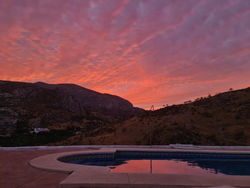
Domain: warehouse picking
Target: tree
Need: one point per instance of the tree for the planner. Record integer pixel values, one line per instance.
(22, 127)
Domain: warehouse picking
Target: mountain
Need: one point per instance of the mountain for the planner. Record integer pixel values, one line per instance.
(76, 115)
(223, 119)
(58, 106)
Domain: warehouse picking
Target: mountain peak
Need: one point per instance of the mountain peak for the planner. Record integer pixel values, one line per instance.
(47, 101)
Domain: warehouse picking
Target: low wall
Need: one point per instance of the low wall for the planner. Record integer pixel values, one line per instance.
(171, 146)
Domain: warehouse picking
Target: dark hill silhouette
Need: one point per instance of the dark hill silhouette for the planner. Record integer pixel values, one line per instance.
(223, 119)
(76, 115)
(58, 105)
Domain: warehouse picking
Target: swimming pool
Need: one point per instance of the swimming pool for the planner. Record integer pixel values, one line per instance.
(152, 162)
(213, 167)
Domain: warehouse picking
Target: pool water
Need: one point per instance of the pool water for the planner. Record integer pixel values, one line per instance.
(205, 164)
(161, 167)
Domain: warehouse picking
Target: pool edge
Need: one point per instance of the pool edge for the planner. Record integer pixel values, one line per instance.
(89, 176)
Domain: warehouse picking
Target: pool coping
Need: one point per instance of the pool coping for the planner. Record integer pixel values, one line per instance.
(95, 176)
(171, 146)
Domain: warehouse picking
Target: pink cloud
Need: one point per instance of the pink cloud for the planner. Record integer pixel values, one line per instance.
(149, 52)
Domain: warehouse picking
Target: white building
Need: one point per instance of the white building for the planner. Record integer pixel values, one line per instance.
(38, 130)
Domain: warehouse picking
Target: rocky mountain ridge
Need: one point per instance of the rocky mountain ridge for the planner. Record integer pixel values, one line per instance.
(42, 105)
(223, 119)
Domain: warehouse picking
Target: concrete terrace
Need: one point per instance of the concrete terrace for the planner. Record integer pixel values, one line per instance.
(15, 170)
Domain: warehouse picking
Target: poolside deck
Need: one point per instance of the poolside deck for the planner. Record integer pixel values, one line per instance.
(15, 172)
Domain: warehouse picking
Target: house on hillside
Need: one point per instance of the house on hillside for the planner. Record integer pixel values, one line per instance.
(39, 130)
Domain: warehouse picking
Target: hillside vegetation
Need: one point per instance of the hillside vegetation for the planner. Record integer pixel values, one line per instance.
(223, 119)
(64, 109)
(76, 115)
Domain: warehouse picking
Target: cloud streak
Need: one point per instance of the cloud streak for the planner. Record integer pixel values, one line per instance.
(149, 52)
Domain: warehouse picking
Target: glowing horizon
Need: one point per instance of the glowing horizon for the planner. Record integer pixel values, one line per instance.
(148, 52)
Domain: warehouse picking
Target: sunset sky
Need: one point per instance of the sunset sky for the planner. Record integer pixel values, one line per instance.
(151, 52)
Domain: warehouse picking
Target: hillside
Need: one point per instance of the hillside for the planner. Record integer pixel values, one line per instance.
(76, 115)
(223, 119)
(63, 108)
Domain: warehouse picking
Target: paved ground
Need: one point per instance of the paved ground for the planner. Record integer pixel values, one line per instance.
(15, 171)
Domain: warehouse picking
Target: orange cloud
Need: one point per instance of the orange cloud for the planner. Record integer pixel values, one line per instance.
(148, 52)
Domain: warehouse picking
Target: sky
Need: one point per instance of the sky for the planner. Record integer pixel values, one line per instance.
(150, 52)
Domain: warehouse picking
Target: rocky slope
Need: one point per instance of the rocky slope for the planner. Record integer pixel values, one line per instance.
(58, 105)
(76, 115)
(223, 119)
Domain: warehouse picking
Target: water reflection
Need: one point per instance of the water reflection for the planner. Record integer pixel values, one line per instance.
(162, 167)
(228, 167)
(166, 165)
